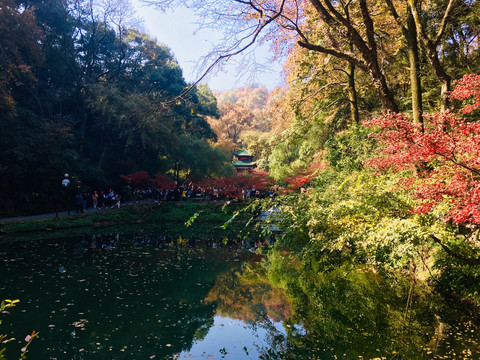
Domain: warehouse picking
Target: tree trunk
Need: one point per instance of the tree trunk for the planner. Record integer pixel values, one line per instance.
(370, 55)
(366, 45)
(430, 45)
(414, 61)
(445, 89)
(352, 93)
(409, 31)
(370, 66)
(383, 91)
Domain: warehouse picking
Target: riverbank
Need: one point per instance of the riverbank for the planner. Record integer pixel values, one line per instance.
(172, 218)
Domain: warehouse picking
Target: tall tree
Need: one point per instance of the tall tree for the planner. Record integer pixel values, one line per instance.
(280, 20)
(409, 31)
(431, 40)
(97, 107)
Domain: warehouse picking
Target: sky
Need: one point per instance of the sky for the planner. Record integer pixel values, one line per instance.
(177, 29)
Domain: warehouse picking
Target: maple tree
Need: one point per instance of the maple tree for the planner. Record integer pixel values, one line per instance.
(303, 177)
(232, 186)
(443, 155)
(142, 179)
(163, 182)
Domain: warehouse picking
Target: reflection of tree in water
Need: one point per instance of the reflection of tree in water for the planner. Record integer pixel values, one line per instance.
(105, 296)
(247, 295)
(113, 296)
(345, 314)
(356, 313)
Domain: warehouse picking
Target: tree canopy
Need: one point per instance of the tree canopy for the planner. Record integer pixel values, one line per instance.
(84, 92)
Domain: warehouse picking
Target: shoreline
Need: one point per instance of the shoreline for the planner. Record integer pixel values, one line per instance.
(209, 218)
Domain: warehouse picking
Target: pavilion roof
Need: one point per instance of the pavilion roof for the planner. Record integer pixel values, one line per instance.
(242, 152)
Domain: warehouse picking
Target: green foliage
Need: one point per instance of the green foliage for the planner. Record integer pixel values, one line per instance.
(460, 278)
(101, 104)
(348, 150)
(207, 102)
(352, 310)
(305, 142)
(341, 218)
(351, 215)
(199, 159)
(460, 274)
(284, 157)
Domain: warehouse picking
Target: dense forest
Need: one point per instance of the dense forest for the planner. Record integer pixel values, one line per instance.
(375, 141)
(84, 93)
(373, 145)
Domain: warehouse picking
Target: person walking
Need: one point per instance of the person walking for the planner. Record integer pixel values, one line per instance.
(95, 199)
(79, 203)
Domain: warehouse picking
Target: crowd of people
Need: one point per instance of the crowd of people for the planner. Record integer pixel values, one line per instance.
(97, 199)
(110, 199)
(191, 192)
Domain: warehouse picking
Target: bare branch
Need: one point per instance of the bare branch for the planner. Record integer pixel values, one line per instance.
(454, 254)
(237, 48)
(334, 52)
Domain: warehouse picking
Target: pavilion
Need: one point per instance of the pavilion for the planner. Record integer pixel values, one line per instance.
(244, 164)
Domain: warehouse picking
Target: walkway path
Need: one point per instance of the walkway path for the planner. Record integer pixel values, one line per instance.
(41, 216)
(72, 212)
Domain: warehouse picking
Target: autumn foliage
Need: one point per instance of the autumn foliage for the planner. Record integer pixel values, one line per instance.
(232, 186)
(443, 155)
(302, 178)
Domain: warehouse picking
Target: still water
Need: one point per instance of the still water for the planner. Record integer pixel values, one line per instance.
(112, 296)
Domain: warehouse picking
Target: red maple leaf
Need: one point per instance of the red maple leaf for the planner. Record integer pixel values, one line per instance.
(444, 154)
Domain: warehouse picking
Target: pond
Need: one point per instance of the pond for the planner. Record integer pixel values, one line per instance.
(143, 296)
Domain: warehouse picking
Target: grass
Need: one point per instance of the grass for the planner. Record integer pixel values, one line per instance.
(170, 218)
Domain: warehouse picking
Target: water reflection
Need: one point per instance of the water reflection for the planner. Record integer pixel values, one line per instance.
(248, 296)
(354, 313)
(348, 313)
(107, 296)
(143, 296)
